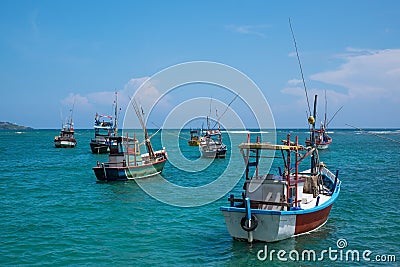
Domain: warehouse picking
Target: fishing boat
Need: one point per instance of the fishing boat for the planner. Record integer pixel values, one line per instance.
(104, 128)
(125, 160)
(211, 145)
(66, 138)
(195, 135)
(274, 207)
(322, 139)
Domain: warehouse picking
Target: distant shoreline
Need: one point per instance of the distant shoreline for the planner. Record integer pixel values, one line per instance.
(4, 125)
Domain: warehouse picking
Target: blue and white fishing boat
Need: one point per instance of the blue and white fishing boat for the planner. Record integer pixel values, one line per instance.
(125, 160)
(273, 206)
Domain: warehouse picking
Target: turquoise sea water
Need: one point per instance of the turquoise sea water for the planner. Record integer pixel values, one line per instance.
(53, 212)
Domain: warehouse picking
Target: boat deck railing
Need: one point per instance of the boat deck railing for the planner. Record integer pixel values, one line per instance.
(327, 173)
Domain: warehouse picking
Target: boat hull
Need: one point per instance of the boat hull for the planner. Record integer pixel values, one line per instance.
(64, 143)
(275, 226)
(99, 148)
(278, 225)
(194, 142)
(107, 172)
(213, 154)
(323, 146)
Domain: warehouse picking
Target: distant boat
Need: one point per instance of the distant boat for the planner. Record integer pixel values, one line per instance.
(104, 128)
(195, 136)
(275, 207)
(211, 145)
(66, 138)
(125, 160)
(322, 139)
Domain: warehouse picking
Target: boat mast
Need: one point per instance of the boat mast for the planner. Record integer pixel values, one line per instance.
(326, 108)
(116, 115)
(311, 120)
(140, 115)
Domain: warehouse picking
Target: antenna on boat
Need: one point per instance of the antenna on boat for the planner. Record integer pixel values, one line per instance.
(301, 69)
(116, 114)
(209, 115)
(72, 112)
(386, 138)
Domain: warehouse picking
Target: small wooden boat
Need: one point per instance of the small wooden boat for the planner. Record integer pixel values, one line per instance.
(273, 206)
(211, 145)
(195, 136)
(104, 128)
(66, 138)
(125, 160)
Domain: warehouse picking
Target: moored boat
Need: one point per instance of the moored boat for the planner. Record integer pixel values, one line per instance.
(103, 130)
(125, 160)
(211, 145)
(66, 138)
(105, 126)
(275, 207)
(195, 136)
(322, 139)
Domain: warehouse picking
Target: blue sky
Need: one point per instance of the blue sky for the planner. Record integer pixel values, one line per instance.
(56, 52)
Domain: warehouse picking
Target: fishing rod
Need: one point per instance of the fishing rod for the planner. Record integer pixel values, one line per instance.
(334, 115)
(383, 137)
(226, 109)
(160, 127)
(301, 69)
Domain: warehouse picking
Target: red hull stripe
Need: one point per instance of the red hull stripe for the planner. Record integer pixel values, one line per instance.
(310, 221)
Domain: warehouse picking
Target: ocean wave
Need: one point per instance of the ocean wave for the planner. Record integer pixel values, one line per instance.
(244, 132)
(385, 132)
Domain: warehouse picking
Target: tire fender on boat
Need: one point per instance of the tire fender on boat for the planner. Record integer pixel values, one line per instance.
(244, 223)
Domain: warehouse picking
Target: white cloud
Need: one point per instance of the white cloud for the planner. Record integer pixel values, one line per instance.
(102, 101)
(75, 99)
(105, 99)
(249, 29)
(366, 83)
(295, 82)
(367, 74)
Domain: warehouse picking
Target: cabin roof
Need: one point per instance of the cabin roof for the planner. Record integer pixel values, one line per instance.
(269, 146)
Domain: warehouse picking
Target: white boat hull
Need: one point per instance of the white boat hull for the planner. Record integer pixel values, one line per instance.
(323, 146)
(64, 144)
(274, 225)
(271, 227)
